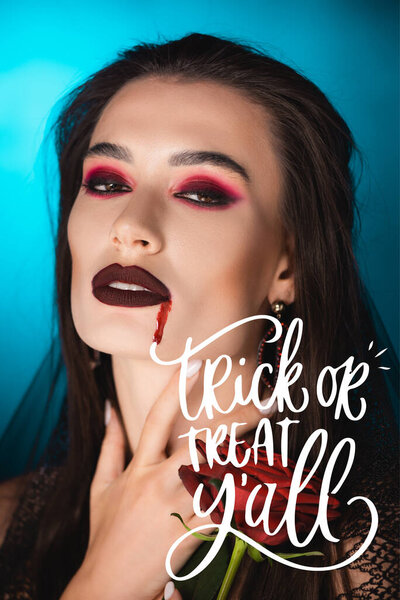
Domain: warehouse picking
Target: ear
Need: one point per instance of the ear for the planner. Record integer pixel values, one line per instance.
(282, 285)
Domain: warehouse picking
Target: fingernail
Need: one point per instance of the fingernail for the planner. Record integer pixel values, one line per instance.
(264, 410)
(193, 367)
(169, 590)
(107, 412)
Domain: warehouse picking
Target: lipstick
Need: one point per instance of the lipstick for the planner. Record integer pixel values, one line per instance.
(128, 286)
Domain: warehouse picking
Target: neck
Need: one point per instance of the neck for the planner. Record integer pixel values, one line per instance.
(140, 382)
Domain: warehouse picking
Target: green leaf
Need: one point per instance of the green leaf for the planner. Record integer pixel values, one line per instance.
(258, 557)
(295, 555)
(255, 554)
(200, 536)
(204, 586)
(216, 483)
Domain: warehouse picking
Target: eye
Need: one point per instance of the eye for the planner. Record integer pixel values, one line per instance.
(205, 194)
(105, 184)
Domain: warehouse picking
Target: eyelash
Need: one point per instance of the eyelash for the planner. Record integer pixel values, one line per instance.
(98, 180)
(215, 196)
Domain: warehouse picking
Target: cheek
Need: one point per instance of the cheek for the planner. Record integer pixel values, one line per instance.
(248, 257)
(74, 233)
(84, 244)
(230, 267)
(223, 278)
(84, 235)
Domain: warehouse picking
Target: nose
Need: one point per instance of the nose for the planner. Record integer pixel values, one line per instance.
(136, 228)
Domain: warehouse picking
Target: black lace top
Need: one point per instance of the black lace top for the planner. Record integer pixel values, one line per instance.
(373, 576)
(375, 475)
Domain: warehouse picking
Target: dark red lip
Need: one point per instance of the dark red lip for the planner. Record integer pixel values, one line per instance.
(157, 293)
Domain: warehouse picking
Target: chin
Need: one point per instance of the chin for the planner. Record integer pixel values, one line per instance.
(118, 338)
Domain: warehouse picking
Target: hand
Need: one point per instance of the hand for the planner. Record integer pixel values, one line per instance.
(131, 529)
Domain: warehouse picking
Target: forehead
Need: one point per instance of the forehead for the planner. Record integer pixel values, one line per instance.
(161, 113)
(195, 103)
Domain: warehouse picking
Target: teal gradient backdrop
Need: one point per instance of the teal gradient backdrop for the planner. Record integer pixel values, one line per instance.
(347, 47)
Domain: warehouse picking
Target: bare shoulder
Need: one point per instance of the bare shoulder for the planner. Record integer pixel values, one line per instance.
(10, 493)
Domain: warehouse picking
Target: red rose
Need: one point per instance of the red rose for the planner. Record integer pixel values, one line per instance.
(307, 500)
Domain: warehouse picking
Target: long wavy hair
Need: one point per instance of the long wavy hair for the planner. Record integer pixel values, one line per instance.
(314, 147)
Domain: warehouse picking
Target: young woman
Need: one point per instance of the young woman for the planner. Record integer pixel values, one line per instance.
(202, 182)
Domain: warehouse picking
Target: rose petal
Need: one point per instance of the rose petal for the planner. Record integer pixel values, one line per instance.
(307, 502)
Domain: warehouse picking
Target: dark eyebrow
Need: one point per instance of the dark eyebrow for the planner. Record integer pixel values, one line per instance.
(179, 159)
(111, 151)
(193, 157)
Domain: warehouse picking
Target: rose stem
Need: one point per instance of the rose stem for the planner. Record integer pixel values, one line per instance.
(238, 551)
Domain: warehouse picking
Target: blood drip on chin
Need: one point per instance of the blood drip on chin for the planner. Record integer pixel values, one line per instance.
(161, 320)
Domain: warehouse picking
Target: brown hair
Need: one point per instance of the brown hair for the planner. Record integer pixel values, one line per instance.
(314, 146)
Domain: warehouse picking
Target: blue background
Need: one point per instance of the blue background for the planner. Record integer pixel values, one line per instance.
(347, 47)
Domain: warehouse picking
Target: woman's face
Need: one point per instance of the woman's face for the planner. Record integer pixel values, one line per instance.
(186, 185)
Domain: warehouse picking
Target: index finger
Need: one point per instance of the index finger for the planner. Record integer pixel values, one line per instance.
(246, 418)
